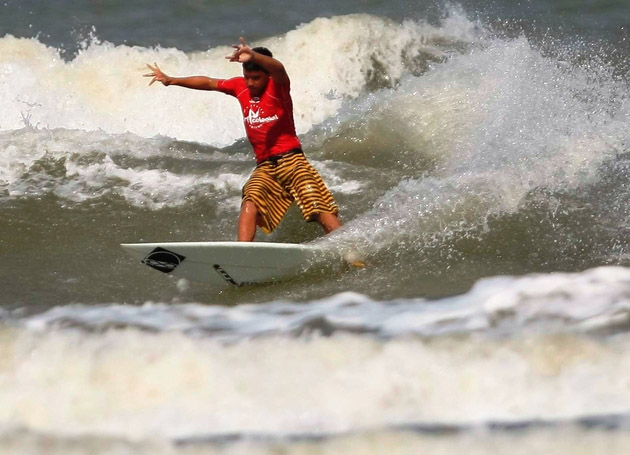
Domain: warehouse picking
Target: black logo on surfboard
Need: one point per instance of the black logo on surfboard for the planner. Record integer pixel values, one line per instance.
(163, 260)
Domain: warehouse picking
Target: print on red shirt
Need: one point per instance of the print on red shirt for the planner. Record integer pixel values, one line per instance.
(268, 120)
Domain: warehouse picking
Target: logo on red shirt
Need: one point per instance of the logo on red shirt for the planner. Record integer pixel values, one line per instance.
(254, 119)
(268, 120)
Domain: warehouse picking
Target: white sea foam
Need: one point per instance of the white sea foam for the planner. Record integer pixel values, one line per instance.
(98, 103)
(134, 384)
(558, 439)
(499, 122)
(79, 166)
(103, 88)
(594, 300)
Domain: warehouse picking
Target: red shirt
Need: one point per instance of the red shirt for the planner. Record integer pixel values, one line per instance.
(268, 120)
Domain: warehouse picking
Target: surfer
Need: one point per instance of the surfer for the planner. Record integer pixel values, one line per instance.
(282, 174)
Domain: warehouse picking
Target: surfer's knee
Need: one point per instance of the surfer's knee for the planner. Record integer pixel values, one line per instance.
(250, 211)
(249, 207)
(247, 222)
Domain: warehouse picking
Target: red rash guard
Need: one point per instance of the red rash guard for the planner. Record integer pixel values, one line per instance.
(268, 120)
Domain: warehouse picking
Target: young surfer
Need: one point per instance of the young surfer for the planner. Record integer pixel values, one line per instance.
(283, 174)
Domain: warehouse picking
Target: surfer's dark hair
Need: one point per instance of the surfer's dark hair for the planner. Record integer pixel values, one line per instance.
(251, 66)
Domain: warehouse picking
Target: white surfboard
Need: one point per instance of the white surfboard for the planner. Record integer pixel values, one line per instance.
(232, 263)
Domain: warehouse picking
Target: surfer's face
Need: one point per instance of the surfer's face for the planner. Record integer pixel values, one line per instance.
(256, 81)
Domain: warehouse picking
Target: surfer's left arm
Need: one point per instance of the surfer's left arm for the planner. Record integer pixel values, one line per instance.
(243, 53)
(194, 82)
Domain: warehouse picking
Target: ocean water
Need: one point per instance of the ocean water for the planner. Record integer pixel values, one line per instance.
(480, 155)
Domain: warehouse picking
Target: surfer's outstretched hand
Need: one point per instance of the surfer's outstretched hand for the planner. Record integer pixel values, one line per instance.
(243, 53)
(157, 74)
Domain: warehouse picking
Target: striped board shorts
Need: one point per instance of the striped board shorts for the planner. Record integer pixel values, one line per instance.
(277, 182)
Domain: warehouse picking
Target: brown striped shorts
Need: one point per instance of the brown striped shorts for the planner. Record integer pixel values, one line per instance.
(277, 182)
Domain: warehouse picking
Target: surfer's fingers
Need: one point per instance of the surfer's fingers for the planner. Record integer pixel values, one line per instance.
(234, 54)
(154, 68)
(240, 47)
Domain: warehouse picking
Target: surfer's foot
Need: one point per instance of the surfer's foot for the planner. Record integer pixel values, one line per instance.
(355, 259)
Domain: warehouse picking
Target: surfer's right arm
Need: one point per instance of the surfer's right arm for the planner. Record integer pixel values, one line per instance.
(194, 82)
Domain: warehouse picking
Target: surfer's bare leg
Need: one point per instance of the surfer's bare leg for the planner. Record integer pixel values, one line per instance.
(329, 221)
(247, 222)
